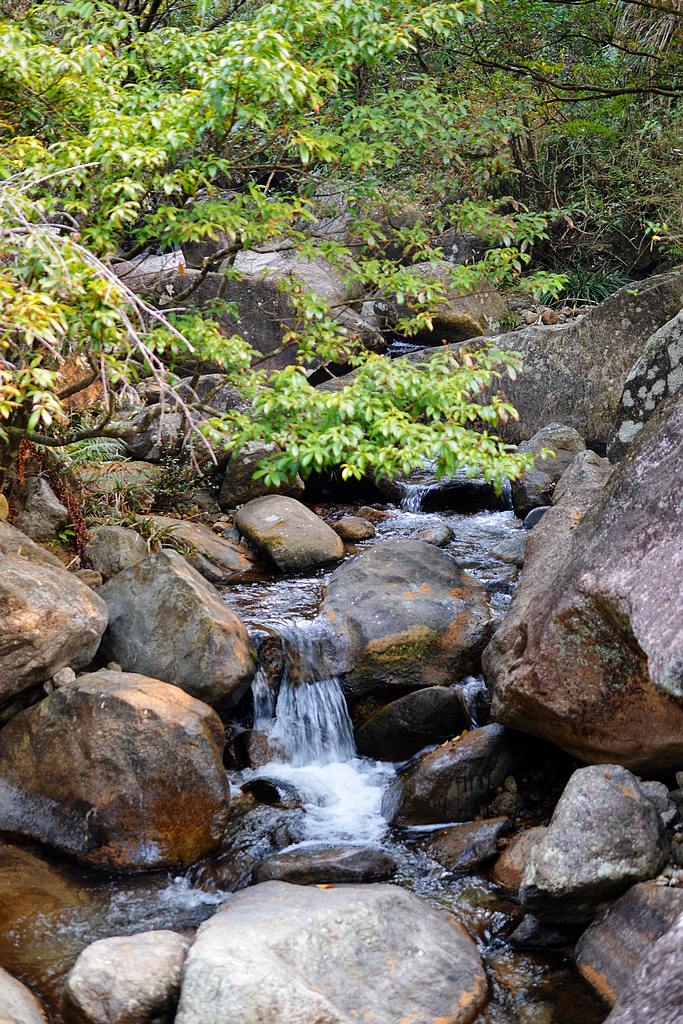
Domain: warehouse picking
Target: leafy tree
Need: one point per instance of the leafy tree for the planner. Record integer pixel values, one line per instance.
(112, 126)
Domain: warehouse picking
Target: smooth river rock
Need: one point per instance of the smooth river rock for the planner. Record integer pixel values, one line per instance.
(399, 730)
(18, 1005)
(113, 548)
(118, 771)
(604, 836)
(48, 619)
(403, 615)
(288, 534)
(590, 652)
(453, 781)
(166, 621)
(132, 979)
(278, 953)
(337, 864)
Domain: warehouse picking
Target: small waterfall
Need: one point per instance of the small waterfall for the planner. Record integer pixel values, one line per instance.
(413, 496)
(506, 494)
(309, 721)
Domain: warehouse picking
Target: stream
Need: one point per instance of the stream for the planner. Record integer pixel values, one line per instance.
(50, 910)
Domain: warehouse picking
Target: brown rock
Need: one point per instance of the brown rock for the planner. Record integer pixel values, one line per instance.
(18, 1005)
(467, 847)
(354, 528)
(119, 771)
(328, 866)
(616, 943)
(507, 871)
(288, 534)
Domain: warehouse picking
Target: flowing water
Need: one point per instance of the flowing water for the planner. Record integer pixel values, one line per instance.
(56, 910)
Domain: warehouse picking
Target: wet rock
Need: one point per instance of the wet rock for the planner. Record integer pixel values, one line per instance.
(451, 782)
(48, 618)
(656, 375)
(239, 485)
(535, 488)
(508, 869)
(612, 948)
(575, 373)
(466, 848)
(535, 934)
(218, 559)
(117, 770)
(41, 514)
(422, 491)
(590, 653)
(605, 835)
(354, 528)
(113, 548)
(273, 792)
(276, 951)
(328, 866)
(167, 622)
(18, 1005)
(253, 748)
(227, 872)
(288, 534)
(511, 549)
(403, 614)
(440, 536)
(399, 730)
(655, 993)
(535, 516)
(587, 471)
(133, 979)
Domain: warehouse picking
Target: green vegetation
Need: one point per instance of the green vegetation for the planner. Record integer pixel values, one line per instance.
(124, 126)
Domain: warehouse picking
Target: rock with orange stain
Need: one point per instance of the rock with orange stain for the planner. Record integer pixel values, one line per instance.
(604, 836)
(590, 653)
(280, 953)
(118, 771)
(49, 620)
(508, 869)
(404, 615)
(613, 947)
(132, 979)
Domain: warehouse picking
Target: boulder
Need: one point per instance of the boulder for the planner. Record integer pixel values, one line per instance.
(574, 373)
(535, 488)
(590, 653)
(48, 618)
(18, 1005)
(218, 559)
(118, 771)
(612, 948)
(113, 548)
(403, 615)
(459, 317)
(508, 869)
(323, 867)
(354, 528)
(465, 848)
(655, 993)
(288, 534)
(16, 544)
(604, 836)
(167, 622)
(41, 515)
(510, 550)
(239, 485)
(587, 472)
(453, 781)
(277, 952)
(656, 375)
(399, 730)
(132, 979)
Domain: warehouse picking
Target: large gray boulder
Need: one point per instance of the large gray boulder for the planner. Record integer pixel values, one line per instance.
(18, 1005)
(41, 515)
(536, 487)
(404, 615)
(587, 471)
(118, 771)
(132, 979)
(288, 534)
(167, 622)
(281, 953)
(49, 620)
(113, 548)
(612, 948)
(590, 653)
(453, 781)
(574, 373)
(655, 993)
(604, 836)
(656, 376)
